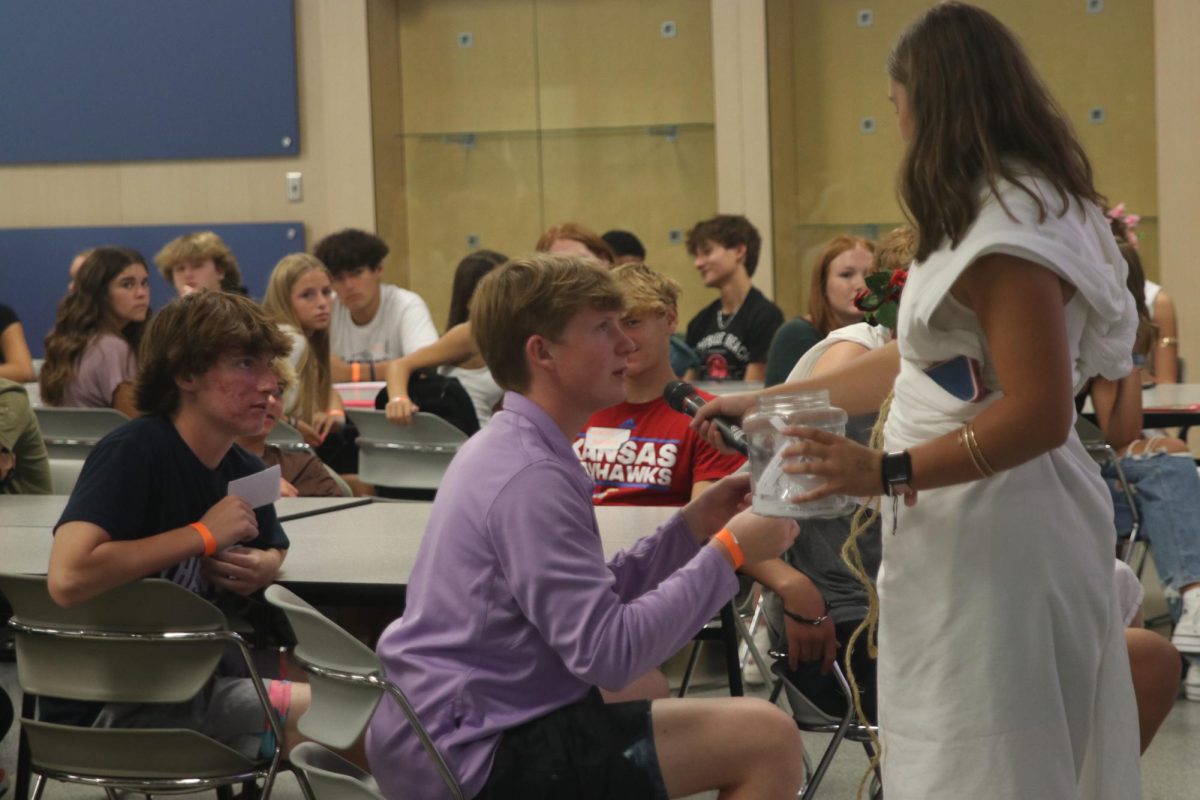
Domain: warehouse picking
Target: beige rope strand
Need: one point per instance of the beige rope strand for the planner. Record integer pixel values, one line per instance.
(852, 555)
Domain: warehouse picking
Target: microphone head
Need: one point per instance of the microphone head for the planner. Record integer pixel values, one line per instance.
(676, 392)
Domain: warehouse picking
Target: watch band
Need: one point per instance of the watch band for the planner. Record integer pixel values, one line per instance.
(896, 470)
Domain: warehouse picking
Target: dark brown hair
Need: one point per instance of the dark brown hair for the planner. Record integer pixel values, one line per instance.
(577, 233)
(819, 312)
(467, 275)
(1135, 282)
(980, 113)
(82, 314)
(727, 230)
(191, 334)
(535, 295)
(349, 249)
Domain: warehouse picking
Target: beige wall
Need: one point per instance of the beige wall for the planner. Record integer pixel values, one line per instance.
(1176, 31)
(335, 157)
(828, 73)
(559, 95)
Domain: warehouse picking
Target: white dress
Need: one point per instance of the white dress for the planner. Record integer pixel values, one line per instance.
(1003, 672)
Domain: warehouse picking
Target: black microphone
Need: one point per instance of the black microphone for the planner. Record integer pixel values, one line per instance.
(682, 397)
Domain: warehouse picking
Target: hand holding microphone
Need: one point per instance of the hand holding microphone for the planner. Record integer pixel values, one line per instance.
(684, 398)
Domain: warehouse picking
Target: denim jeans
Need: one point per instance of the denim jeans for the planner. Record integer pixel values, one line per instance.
(1166, 490)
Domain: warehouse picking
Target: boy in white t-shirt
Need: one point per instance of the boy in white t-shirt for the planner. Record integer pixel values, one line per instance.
(373, 322)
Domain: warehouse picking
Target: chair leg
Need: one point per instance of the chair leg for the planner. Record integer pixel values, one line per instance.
(693, 657)
(305, 787)
(112, 793)
(729, 638)
(39, 786)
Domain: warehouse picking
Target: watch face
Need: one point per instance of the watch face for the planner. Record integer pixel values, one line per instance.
(897, 468)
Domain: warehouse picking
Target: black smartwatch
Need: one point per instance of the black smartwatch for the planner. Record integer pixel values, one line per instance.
(897, 473)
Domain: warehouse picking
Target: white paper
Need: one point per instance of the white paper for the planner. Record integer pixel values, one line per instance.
(259, 489)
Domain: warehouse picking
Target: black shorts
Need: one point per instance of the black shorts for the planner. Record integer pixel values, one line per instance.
(588, 750)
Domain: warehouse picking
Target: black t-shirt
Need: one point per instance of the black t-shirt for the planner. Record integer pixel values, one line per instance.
(744, 339)
(143, 479)
(7, 317)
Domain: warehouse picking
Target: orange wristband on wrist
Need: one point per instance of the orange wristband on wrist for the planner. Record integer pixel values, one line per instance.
(731, 543)
(355, 371)
(210, 541)
(336, 412)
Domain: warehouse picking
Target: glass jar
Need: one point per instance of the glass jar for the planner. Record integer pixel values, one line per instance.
(773, 489)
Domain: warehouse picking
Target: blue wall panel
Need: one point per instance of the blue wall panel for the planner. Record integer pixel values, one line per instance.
(34, 262)
(135, 80)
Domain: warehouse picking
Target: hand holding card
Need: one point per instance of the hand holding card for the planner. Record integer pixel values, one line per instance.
(259, 489)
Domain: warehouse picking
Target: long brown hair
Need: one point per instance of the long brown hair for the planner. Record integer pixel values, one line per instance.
(819, 311)
(314, 375)
(977, 105)
(82, 315)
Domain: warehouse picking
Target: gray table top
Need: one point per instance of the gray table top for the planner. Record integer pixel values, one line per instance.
(374, 544)
(1171, 395)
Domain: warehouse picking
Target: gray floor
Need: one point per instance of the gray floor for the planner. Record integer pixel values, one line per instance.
(1170, 769)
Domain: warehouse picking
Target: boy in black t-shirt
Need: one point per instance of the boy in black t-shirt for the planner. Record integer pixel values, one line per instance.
(731, 336)
(152, 501)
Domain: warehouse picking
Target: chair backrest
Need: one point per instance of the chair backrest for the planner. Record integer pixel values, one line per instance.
(1089, 434)
(339, 480)
(340, 708)
(72, 432)
(808, 715)
(332, 777)
(405, 456)
(64, 474)
(75, 653)
(285, 437)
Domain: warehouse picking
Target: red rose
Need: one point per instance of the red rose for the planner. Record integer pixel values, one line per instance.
(898, 278)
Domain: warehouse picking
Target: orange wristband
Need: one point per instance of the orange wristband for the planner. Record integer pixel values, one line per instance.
(335, 412)
(731, 543)
(355, 371)
(210, 541)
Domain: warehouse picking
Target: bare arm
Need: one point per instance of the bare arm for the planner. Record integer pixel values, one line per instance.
(18, 363)
(801, 597)
(1119, 408)
(1020, 308)
(86, 561)
(1166, 347)
(454, 347)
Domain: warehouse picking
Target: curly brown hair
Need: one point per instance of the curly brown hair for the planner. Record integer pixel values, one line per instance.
(81, 316)
(980, 114)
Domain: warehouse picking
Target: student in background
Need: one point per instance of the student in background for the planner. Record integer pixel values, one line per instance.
(641, 451)
(839, 273)
(455, 353)
(24, 465)
(374, 322)
(511, 566)
(731, 336)
(301, 474)
(198, 261)
(73, 270)
(300, 300)
(627, 248)
(91, 353)
(571, 238)
(16, 364)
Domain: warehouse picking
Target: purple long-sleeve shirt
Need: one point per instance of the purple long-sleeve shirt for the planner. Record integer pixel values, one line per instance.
(512, 611)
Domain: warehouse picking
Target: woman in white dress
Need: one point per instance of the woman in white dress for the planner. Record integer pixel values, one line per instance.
(1003, 672)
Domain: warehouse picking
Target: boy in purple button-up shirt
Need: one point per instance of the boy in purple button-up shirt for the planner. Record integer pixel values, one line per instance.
(513, 617)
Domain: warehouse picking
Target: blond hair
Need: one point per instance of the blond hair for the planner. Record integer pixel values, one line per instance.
(200, 246)
(536, 295)
(896, 249)
(313, 372)
(646, 291)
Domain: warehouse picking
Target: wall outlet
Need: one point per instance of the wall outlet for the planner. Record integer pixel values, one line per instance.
(1095, 6)
(1096, 115)
(295, 187)
(865, 18)
(465, 39)
(866, 125)
(675, 236)
(668, 29)
(472, 241)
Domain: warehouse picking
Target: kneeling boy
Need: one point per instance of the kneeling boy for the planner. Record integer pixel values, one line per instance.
(514, 620)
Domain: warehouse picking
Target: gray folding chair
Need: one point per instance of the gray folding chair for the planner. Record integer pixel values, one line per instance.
(146, 642)
(70, 433)
(332, 777)
(347, 682)
(405, 456)
(809, 717)
(285, 437)
(1103, 454)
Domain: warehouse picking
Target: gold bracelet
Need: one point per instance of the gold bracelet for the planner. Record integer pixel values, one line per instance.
(974, 446)
(962, 442)
(1168, 341)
